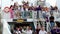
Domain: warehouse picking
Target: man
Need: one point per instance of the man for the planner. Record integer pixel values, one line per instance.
(37, 29)
(52, 21)
(18, 30)
(55, 30)
(27, 31)
(42, 31)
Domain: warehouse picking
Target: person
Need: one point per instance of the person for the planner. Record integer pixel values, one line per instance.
(18, 31)
(43, 13)
(51, 18)
(16, 6)
(6, 13)
(51, 9)
(56, 13)
(28, 30)
(37, 29)
(17, 14)
(11, 11)
(55, 30)
(38, 10)
(58, 27)
(42, 31)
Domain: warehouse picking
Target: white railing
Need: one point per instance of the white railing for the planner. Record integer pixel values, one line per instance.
(5, 27)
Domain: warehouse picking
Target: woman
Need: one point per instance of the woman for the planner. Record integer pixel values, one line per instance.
(11, 11)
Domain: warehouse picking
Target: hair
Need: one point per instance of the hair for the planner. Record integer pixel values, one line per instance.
(58, 24)
(11, 6)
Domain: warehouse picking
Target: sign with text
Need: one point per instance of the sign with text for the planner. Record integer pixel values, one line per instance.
(20, 20)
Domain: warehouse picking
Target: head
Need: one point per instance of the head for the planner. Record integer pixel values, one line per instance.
(28, 28)
(24, 27)
(16, 4)
(15, 33)
(51, 6)
(56, 8)
(11, 7)
(20, 6)
(39, 6)
(17, 28)
(43, 28)
(6, 9)
(37, 26)
(51, 14)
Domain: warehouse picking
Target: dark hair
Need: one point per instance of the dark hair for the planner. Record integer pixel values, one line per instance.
(11, 6)
(14, 4)
(58, 23)
(56, 7)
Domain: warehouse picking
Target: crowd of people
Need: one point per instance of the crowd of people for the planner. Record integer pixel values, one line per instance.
(17, 11)
(25, 11)
(27, 30)
(22, 30)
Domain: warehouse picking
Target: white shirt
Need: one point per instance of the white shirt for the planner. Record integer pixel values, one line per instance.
(18, 32)
(26, 9)
(27, 31)
(42, 32)
(43, 11)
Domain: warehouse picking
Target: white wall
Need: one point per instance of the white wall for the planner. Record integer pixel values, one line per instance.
(5, 3)
(9, 2)
(0, 2)
(50, 3)
(58, 3)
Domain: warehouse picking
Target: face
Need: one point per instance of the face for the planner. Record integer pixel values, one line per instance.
(43, 28)
(6, 9)
(28, 28)
(18, 28)
(11, 7)
(16, 3)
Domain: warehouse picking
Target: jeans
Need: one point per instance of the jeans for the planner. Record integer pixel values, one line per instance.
(52, 24)
(37, 14)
